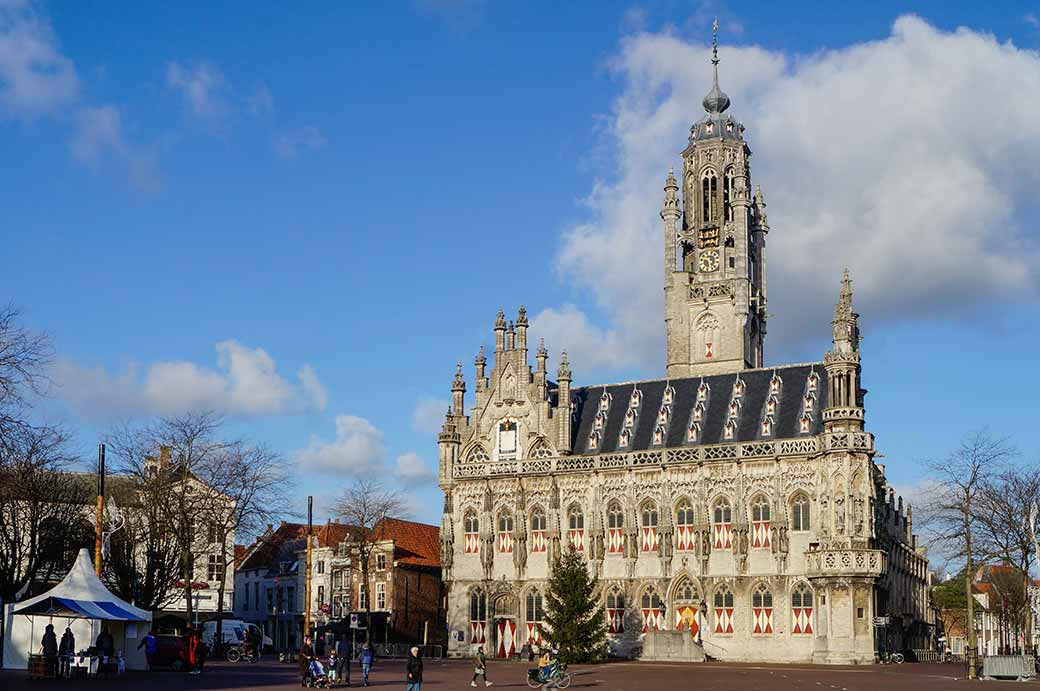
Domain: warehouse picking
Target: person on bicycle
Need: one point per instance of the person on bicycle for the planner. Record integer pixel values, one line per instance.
(547, 665)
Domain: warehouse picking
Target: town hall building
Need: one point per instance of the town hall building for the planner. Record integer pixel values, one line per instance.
(737, 504)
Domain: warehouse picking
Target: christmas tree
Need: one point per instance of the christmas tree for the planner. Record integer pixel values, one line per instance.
(574, 621)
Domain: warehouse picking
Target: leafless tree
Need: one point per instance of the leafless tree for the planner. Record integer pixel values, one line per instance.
(24, 358)
(244, 488)
(41, 504)
(191, 443)
(951, 508)
(363, 505)
(1004, 506)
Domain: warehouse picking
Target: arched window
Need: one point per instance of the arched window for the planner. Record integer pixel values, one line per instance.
(535, 614)
(760, 532)
(709, 197)
(649, 527)
(471, 527)
(477, 455)
(505, 532)
(684, 526)
(762, 610)
(727, 196)
(478, 616)
(722, 530)
(576, 528)
(801, 609)
(800, 513)
(652, 609)
(615, 611)
(723, 610)
(539, 543)
(615, 524)
(686, 607)
(541, 450)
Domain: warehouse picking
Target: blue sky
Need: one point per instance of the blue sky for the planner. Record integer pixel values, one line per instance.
(305, 217)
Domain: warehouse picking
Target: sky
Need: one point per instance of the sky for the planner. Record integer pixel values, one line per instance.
(304, 217)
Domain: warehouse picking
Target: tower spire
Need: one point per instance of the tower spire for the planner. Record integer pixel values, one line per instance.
(716, 101)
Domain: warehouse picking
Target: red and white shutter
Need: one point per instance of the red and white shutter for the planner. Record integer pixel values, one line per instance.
(532, 634)
(651, 619)
(615, 541)
(723, 535)
(760, 534)
(506, 638)
(723, 620)
(505, 542)
(649, 539)
(802, 620)
(472, 543)
(538, 541)
(478, 632)
(615, 621)
(763, 619)
(685, 540)
(577, 538)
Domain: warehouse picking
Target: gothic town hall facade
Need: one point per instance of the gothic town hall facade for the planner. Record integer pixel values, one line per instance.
(735, 503)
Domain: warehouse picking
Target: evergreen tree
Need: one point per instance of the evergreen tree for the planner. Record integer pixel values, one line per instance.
(575, 621)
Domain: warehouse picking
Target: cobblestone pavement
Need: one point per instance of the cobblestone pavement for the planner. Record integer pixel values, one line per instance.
(617, 676)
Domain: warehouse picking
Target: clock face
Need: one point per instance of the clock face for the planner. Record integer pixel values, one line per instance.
(709, 261)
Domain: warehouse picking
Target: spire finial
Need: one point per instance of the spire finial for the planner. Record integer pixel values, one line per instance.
(715, 46)
(716, 101)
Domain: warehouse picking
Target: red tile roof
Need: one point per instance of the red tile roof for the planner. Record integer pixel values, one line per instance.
(260, 554)
(415, 544)
(331, 534)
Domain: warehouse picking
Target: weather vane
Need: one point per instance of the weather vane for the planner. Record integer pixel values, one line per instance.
(715, 41)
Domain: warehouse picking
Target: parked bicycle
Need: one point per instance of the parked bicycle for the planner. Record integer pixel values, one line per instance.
(561, 679)
(888, 658)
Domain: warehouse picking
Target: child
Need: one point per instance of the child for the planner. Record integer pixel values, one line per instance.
(333, 666)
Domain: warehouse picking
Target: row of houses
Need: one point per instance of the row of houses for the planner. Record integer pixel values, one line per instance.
(999, 621)
(404, 595)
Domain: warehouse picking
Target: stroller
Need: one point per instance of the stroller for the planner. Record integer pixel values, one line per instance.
(316, 677)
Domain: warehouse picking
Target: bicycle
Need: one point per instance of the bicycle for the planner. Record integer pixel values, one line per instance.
(887, 658)
(562, 678)
(241, 653)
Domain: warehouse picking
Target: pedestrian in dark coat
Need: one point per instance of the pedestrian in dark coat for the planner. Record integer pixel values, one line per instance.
(344, 651)
(66, 649)
(50, 650)
(306, 655)
(414, 671)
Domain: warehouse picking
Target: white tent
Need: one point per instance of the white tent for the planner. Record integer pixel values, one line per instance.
(82, 602)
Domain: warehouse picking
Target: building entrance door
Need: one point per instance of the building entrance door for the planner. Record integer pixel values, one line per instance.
(506, 630)
(687, 615)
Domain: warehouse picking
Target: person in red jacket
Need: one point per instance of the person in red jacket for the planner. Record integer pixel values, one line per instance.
(194, 645)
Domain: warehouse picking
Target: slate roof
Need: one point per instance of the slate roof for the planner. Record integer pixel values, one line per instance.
(756, 392)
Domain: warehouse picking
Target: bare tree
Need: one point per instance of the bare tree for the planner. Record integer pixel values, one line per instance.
(41, 503)
(190, 442)
(952, 504)
(24, 358)
(363, 505)
(1004, 503)
(244, 488)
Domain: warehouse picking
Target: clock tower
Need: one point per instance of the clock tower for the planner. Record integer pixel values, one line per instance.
(714, 248)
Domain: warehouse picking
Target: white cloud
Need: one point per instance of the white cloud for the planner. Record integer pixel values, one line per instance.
(246, 382)
(261, 101)
(202, 85)
(290, 145)
(35, 78)
(99, 135)
(912, 160)
(358, 448)
(428, 416)
(409, 469)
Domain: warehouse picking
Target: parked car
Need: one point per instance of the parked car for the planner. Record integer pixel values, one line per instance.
(170, 652)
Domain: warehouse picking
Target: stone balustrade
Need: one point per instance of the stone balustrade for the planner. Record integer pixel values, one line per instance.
(869, 563)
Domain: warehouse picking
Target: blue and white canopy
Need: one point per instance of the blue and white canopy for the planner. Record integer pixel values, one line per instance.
(81, 595)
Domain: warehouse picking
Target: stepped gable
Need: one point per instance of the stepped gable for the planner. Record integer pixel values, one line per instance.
(756, 392)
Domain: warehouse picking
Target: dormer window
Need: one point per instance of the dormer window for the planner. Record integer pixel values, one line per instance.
(730, 430)
(630, 417)
(729, 126)
(702, 392)
(805, 423)
(814, 381)
(767, 426)
(734, 409)
(698, 412)
(774, 385)
(604, 402)
(599, 421)
(658, 435)
(663, 414)
(809, 400)
(709, 127)
(593, 441)
(626, 437)
(693, 432)
(635, 399)
(669, 396)
(771, 406)
(738, 388)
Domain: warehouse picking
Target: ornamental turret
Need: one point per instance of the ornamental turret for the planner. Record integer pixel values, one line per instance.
(844, 410)
(458, 391)
(563, 405)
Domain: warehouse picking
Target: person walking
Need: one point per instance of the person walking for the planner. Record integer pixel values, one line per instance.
(366, 657)
(414, 670)
(66, 650)
(149, 644)
(480, 667)
(306, 655)
(106, 647)
(344, 651)
(194, 645)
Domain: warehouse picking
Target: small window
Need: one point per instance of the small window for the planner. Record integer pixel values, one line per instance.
(615, 517)
(625, 439)
(859, 612)
(505, 523)
(762, 598)
(471, 523)
(800, 514)
(684, 515)
(723, 512)
(760, 510)
(649, 516)
(215, 568)
(702, 392)
(538, 520)
(658, 435)
(729, 430)
(604, 402)
(380, 561)
(321, 595)
(380, 596)
(723, 597)
(321, 566)
(576, 519)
